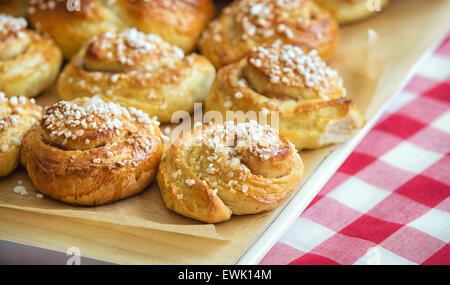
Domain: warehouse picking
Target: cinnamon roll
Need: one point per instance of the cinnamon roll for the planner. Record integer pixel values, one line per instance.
(29, 63)
(225, 169)
(139, 70)
(89, 152)
(306, 96)
(246, 24)
(17, 116)
(347, 11)
(72, 23)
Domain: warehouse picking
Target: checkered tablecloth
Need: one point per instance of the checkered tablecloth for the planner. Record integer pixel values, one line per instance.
(389, 203)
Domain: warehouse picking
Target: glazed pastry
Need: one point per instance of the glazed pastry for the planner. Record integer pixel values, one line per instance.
(89, 152)
(139, 70)
(29, 63)
(282, 82)
(225, 169)
(72, 24)
(246, 24)
(17, 116)
(347, 11)
(15, 8)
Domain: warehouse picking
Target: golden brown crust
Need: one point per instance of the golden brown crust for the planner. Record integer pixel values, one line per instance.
(225, 169)
(139, 70)
(308, 96)
(15, 8)
(348, 11)
(88, 152)
(177, 21)
(246, 24)
(29, 63)
(17, 116)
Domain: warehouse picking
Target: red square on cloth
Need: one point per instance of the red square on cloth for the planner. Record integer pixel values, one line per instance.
(355, 162)
(370, 229)
(313, 259)
(400, 126)
(440, 92)
(442, 257)
(424, 190)
(412, 244)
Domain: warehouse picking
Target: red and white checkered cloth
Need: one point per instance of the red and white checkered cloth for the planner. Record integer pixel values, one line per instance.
(389, 203)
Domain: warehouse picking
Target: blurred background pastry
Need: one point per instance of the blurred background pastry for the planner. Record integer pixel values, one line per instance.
(179, 22)
(17, 116)
(139, 70)
(308, 96)
(29, 63)
(246, 24)
(15, 8)
(89, 152)
(225, 169)
(347, 11)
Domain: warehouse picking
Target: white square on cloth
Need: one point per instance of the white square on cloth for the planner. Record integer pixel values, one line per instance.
(410, 157)
(435, 223)
(435, 67)
(358, 195)
(443, 122)
(305, 234)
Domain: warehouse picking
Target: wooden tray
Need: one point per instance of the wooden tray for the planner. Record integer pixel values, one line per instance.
(406, 30)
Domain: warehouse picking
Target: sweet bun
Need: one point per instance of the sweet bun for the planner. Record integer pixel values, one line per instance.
(294, 89)
(225, 169)
(89, 152)
(179, 22)
(17, 116)
(29, 63)
(347, 11)
(138, 70)
(246, 24)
